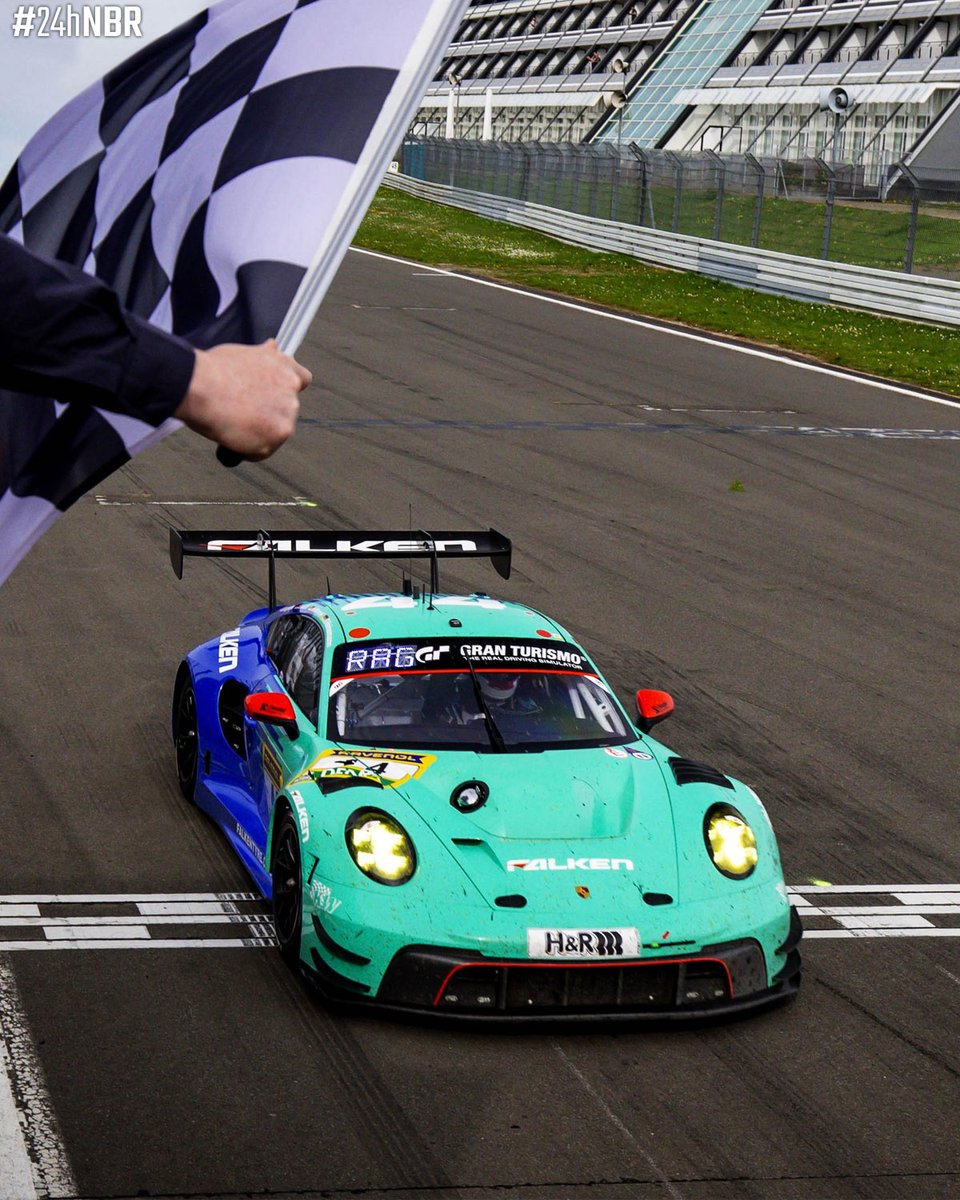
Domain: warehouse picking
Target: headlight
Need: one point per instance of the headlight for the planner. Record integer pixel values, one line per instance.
(380, 847)
(730, 841)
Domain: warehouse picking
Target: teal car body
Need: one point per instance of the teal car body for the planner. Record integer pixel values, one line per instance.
(452, 813)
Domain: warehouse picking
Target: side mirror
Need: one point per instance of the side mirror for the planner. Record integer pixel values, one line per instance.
(273, 708)
(652, 706)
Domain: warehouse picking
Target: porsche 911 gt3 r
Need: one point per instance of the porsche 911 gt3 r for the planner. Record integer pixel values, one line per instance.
(451, 812)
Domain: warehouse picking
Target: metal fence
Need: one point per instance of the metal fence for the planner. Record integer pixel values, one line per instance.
(808, 207)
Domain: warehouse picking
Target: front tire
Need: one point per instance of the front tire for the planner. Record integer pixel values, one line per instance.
(287, 881)
(186, 739)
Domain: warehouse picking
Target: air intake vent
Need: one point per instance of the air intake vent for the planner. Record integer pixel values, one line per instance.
(685, 770)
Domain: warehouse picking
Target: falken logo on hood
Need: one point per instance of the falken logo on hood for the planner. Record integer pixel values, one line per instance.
(570, 864)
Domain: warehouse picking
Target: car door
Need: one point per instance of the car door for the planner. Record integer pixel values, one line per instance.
(295, 647)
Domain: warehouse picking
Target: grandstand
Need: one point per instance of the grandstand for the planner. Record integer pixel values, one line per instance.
(870, 84)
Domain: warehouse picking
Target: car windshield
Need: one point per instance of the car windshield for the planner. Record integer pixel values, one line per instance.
(491, 707)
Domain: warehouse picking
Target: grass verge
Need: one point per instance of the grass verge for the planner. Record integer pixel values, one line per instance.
(904, 351)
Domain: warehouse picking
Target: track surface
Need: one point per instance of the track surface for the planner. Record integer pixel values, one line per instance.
(807, 626)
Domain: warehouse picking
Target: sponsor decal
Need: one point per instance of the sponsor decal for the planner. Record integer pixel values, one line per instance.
(583, 943)
(642, 754)
(303, 818)
(615, 751)
(453, 655)
(389, 768)
(429, 654)
(250, 844)
(582, 892)
(570, 864)
(531, 653)
(309, 545)
(380, 658)
(228, 650)
(271, 766)
(323, 898)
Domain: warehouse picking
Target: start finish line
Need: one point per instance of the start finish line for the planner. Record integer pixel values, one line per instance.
(227, 920)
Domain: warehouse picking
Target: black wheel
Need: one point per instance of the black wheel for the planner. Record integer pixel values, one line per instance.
(185, 738)
(287, 888)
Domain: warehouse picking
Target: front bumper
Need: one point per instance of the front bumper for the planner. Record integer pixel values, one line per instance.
(717, 981)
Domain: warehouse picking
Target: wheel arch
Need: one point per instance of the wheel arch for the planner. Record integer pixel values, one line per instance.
(184, 675)
(281, 805)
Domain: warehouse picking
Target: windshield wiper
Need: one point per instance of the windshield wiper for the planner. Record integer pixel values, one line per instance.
(496, 737)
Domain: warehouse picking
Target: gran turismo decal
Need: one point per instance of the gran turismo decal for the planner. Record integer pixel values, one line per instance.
(303, 818)
(524, 652)
(389, 768)
(641, 754)
(583, 943)
(570, 864)
(228, 651)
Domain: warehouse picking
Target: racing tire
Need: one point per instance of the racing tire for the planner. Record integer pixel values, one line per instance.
(287, 879)
(186, 738)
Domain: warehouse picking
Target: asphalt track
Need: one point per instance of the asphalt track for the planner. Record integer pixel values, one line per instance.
(795, 591)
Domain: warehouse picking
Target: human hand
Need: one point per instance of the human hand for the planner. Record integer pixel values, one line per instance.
(244, 397)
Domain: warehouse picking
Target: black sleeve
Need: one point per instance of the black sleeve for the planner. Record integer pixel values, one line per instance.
(64, 334)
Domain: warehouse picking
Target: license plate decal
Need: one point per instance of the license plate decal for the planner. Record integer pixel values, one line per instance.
(582, 944)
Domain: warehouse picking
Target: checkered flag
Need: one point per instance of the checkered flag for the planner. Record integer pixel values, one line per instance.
(214, 180)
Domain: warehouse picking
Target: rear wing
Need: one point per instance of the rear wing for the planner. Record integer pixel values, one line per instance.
(370, 544)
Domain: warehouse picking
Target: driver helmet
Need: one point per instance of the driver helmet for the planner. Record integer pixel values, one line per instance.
(498, 686)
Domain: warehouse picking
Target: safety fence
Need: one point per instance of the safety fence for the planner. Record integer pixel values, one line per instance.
(809, 207)
(889, 292)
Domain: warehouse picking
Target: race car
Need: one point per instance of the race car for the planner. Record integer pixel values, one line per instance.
(452, 813)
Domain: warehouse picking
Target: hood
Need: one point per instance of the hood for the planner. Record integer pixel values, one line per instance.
(554, 822)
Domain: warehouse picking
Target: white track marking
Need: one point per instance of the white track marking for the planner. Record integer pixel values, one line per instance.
(895, 920)
(879, 933)
(866, 889)
(144, 944)
(90, 933)
(879, 910)
(949, 974)
(157, 919)
(129, 898)
(190, 909)
(33, 1162)
(297, 502)
(671, 331)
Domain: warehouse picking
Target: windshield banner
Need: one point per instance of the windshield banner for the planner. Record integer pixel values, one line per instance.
(454, 654)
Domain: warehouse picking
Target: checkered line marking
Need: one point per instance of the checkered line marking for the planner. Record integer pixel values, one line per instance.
(875, 910)
(206, 921)
(221, 920)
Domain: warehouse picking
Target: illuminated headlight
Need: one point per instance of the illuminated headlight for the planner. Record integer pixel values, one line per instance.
(730, 841)
(380, 847)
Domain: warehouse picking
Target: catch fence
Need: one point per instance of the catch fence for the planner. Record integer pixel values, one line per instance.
(809, 207)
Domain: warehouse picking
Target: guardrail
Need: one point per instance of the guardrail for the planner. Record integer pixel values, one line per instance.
(890, 293)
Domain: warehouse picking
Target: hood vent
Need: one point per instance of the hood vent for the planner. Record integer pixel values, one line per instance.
(686, 770)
